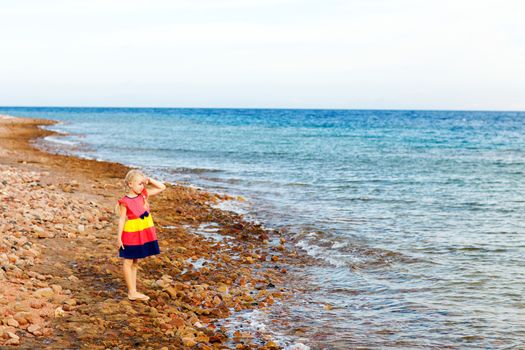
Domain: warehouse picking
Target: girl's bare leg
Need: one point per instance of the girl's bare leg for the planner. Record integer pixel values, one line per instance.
(134, 268)
(128, 276)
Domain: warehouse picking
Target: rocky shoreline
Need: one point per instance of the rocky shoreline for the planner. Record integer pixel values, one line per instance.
(61, 280)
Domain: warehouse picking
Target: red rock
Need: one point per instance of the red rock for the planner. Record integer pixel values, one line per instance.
(216, 338)
(37, 304)
(20, 318)
(177, 321)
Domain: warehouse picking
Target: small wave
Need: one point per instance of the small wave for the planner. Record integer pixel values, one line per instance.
(297, 184)
(318, 252)
(58, 128)
(59, 145)
(344, 252)
(231, 181)
(479, 249)
(185, 170)
(60, 140)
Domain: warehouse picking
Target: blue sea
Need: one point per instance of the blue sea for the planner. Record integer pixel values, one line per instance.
(414, 220)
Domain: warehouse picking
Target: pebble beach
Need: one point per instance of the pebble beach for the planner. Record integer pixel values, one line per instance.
(61, 278)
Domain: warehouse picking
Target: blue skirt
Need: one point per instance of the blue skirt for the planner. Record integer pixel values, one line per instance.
(139, 251)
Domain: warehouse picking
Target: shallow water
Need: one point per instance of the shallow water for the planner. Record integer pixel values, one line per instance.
(414, 220)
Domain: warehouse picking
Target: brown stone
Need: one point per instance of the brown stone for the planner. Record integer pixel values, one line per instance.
(12, 322)
(12, 335)
(271, 345)
(172, 292)
(187, 341)
(70, 302)
(12, 341)
(222, 288)
(18, 306)
(44, 292)
(43, 234)
(33, 328)
(59, 312)
(73, 278)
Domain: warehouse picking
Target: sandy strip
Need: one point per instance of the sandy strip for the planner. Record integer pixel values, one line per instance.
(61, 281)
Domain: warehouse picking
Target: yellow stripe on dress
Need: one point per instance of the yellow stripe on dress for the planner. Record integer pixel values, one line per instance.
(139, 224)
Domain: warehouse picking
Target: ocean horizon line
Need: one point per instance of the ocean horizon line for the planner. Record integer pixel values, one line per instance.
(274, 109)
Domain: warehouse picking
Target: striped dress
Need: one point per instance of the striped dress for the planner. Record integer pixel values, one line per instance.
(139, 236)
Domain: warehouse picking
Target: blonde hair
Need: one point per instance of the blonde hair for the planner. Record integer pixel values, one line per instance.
(130, 176)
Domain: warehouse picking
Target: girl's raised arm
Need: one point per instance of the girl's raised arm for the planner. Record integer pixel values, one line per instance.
(158, 186)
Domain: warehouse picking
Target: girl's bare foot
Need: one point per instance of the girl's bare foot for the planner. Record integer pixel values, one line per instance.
(138, 296)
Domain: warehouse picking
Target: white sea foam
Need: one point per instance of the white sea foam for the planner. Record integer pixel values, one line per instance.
(257, 321)
(208, 230)
(199, 263)
(235, 206)
(297, 346)
(337, 245)
(321, 253)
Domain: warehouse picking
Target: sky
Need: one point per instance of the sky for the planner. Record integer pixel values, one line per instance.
(341, 54)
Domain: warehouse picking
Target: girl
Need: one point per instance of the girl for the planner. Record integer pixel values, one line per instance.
(137, 237)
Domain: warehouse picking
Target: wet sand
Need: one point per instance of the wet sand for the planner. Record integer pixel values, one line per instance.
(61, 279)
